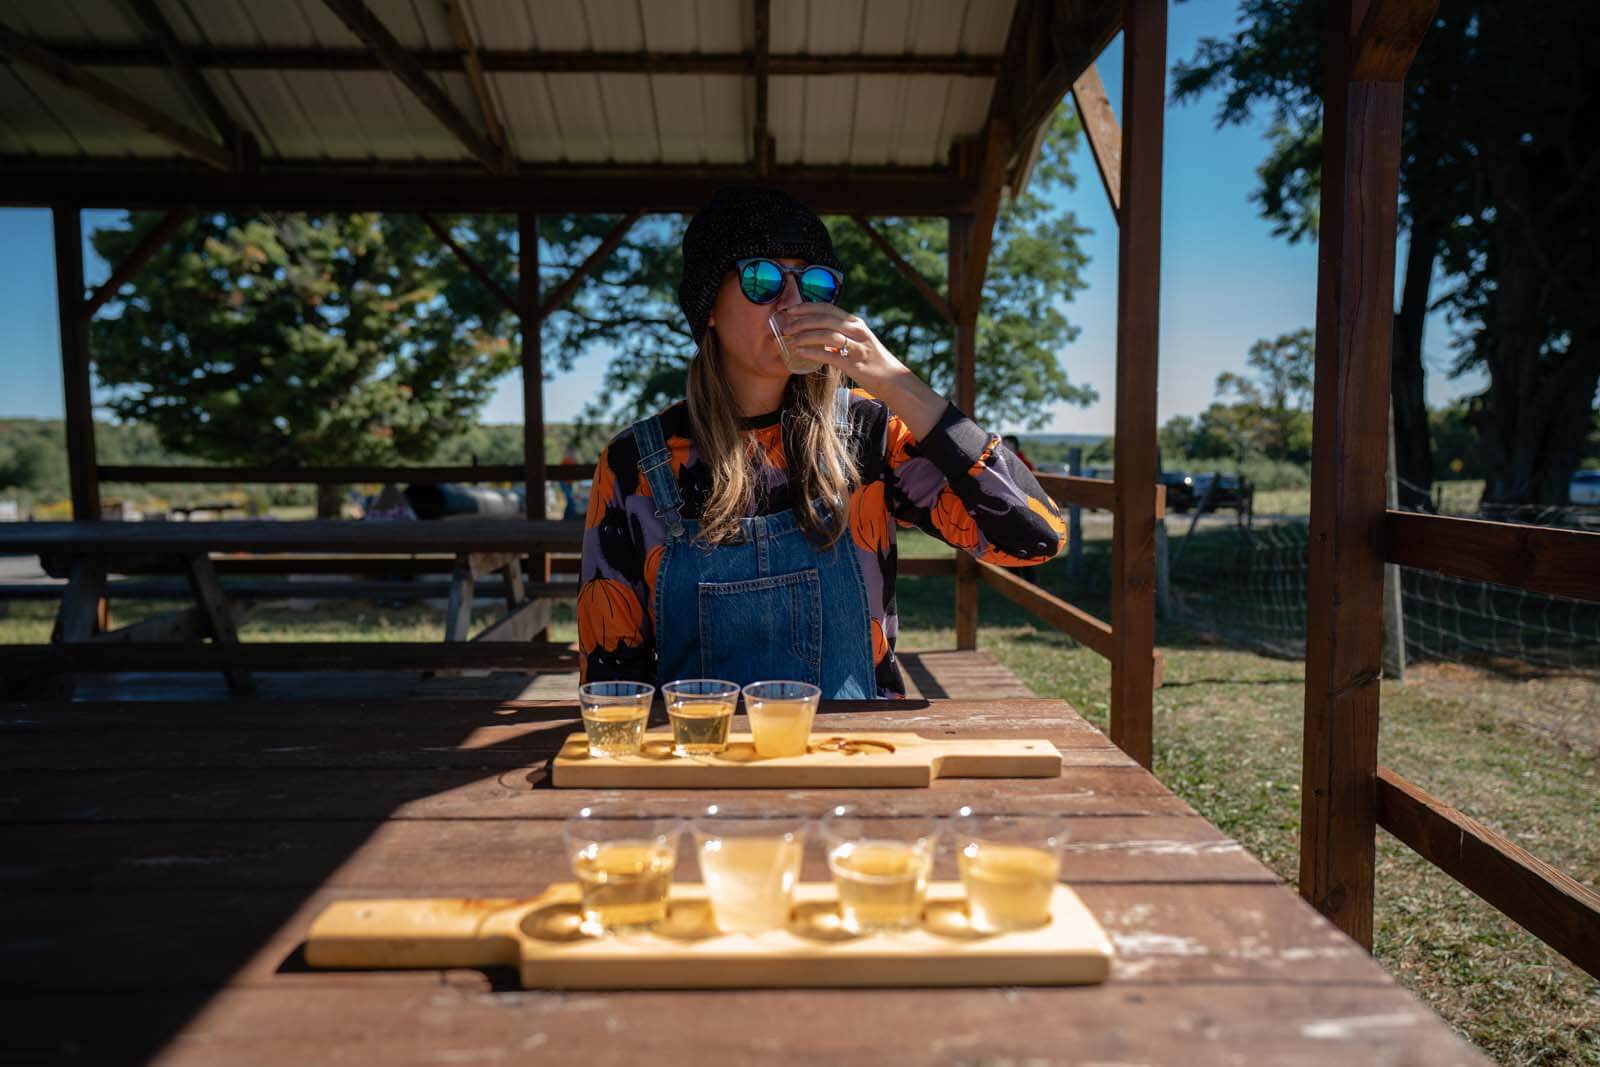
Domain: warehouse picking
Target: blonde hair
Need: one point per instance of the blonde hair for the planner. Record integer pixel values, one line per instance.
(821, 469)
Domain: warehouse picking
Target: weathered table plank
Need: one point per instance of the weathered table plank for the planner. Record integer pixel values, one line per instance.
(162, 863)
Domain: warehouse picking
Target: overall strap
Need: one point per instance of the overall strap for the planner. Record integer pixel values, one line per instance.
(655, 463)
(841, 410)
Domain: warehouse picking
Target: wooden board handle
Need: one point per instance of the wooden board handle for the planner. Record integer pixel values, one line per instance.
(1019, 758)
(381, 934)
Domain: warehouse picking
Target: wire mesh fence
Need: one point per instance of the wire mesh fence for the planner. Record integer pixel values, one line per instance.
(1529, 654)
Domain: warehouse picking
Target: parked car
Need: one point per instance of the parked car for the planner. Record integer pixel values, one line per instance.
(1180, 491)
(1229, 491)
(1584, 488)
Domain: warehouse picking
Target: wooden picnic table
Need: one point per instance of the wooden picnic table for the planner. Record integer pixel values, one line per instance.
(86, 553)
(162, 864)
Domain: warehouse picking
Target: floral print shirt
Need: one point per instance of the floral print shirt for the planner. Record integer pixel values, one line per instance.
(960, 484)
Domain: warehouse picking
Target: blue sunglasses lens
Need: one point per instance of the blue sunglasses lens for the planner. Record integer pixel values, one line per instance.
(761, 281)
(818, 285)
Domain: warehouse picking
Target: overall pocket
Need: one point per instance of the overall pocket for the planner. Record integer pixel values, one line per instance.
(764, 628)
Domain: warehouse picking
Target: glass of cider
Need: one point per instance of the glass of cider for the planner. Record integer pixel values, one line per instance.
(614, 715)
(1010, 865)
(880, 868)
(751, 865)
(700, 710)
(624, 867)
(780, 716)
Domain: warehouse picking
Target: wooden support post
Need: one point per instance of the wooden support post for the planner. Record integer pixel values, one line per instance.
(1075, 519)
(532, 380)
(1101, 131)
(213, 604)
(960, 229)
(82, 473)
(82, 615)
(1394, 615)
(1133, 548)
(1163, 573)
(148, 246)
(458, 612)
(592, 262)
(907, 271)
(761, 137)
(1344, 583)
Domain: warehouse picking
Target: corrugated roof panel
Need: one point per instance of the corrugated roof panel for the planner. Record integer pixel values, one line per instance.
(90, 21)
(630, 117)
(936, 26)
(35, 125)
(558, 25)
(966, 107)
(885, 27)
(983, 31)
(529, 114)
(95, 129)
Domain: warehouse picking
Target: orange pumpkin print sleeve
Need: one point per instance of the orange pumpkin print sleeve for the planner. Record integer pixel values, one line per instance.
(616, 636)
(964, 487)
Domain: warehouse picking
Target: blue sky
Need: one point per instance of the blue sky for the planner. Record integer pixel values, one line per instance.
(1226, 281)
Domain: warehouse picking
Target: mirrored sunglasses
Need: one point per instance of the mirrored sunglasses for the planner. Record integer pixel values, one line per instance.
(761, 280)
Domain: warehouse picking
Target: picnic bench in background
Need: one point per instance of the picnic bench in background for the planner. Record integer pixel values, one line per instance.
(205, 636)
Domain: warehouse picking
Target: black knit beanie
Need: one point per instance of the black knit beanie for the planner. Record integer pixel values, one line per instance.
(743, 221)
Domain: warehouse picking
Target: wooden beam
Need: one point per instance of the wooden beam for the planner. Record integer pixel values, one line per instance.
(523, 624)
(911, 274)
(1133, 535)
(213, 604)
(247, 154)
(1102, 132)
(926, 567)
(961, 229)
(1073, 621)
(461, 33)
(532, 364)
(323, 185)
(994, 154)
(492, 472)
(760, 150)
(148, 245)
(26, 51)
(1097, 493)
(592, 262)
(413, 656)
(1390, 34)
(523, 61)
(468, 260)
(1551, 906)
(77, 393)
(312, 535)
(1344, 583)
(360, 20)
(1538, 558)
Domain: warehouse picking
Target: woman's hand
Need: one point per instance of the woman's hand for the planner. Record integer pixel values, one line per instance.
(829, 334)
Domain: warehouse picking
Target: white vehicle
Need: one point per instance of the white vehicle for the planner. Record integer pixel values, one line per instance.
(1584, 488)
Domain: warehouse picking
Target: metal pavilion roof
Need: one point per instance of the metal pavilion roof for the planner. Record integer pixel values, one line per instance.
(525, 90)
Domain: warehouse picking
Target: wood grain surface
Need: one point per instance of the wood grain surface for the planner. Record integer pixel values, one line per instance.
(162, 864)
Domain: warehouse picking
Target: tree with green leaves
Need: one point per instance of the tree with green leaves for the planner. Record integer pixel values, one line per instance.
(302, 340)
(1035, 267)
(1498, 177)
(1276, 401)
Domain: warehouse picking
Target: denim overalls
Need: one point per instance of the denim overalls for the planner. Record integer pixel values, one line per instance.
(769, 606)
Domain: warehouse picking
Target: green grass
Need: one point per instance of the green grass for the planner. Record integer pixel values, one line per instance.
(1228, 735)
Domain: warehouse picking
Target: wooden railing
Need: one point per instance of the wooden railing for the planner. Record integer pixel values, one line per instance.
(1542, 900)
(1092, 632)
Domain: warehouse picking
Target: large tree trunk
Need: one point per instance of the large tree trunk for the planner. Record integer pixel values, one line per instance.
(1539, 408)
(1413, 448)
